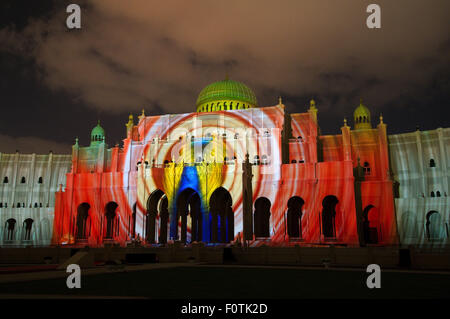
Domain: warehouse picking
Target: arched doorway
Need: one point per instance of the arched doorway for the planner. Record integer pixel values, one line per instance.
(221, 216)
(329, 216)
(434, 225)
(188, 204)
(82, 216)
(110, 214)
(370, 224)
(294, 217)
(261, 217)
(27, 224)
(153, 210)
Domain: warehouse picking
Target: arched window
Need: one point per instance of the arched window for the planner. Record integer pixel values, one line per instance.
(264, 160)
(432, 194)
(432, 163)
(256, 160)
(22, 180)
(40, 180)
(10, 225)
(35, 205)
(438, 194)
(366, 168)
(27, 224)
(262, 217)
(5, 180)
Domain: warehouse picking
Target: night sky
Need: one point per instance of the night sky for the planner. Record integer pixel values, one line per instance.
(158, 55)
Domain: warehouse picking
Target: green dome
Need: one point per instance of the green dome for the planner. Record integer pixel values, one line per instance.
(97, 134)
(226, 95)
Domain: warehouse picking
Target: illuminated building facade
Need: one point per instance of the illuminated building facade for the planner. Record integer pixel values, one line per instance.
(232, 171)
(27, 198)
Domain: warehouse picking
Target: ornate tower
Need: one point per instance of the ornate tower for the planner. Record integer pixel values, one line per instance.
(361, 117)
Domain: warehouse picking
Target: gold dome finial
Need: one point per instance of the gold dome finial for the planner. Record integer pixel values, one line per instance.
(381, 118)
(312, 104)
(345, 122)
(280, 101)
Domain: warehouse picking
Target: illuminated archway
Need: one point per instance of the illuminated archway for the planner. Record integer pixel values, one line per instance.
(370, 225)
(110, 216)
(82, 217)
(222, 216)
(294, 217)
(329, 216)
(153, 204)
(434, 225)
(188, 204)
(262, 217)
(27, 224)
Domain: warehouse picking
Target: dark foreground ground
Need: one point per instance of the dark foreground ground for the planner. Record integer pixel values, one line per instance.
(242, 283)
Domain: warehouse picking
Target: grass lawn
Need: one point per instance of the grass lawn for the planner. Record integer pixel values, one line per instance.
(240, 283)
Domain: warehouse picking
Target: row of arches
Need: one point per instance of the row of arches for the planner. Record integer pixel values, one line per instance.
(19, 205)
(434, 226)
(437, 194)
(221, 217)
(110, 222)
(362, 119)
(23, 180)
(217, 225)
(10, 227)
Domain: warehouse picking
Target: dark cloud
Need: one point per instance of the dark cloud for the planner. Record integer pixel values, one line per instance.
(159, 55)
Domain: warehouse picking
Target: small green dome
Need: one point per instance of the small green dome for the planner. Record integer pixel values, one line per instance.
(226, 95)
(97, 134)
(361, 117)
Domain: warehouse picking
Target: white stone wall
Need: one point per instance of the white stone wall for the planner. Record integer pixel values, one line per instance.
(410, 156)
(30, 199)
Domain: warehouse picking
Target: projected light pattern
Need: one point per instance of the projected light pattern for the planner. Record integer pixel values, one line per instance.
(181, 177)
